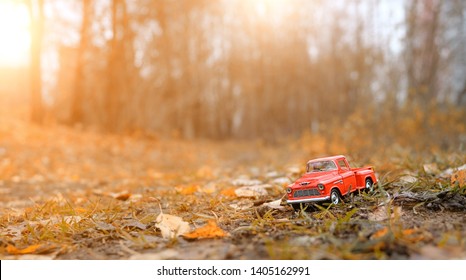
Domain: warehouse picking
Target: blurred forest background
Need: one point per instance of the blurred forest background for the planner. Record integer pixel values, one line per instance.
(358, 74)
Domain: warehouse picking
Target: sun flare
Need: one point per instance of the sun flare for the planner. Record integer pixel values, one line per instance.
(14, 34)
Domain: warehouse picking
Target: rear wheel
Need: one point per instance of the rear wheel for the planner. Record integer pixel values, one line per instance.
(369, 185)
(335, 196)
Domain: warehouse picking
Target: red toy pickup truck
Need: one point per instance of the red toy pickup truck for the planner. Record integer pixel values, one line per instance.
(328, 179)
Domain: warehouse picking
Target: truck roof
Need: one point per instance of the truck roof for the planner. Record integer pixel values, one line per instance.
(328, 158)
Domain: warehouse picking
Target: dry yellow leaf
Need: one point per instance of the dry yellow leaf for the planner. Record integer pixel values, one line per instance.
(228, 192)
(12, 250)
(189, 189)
(415, 235)
(210, 230)
(380, 233)
(411, 235)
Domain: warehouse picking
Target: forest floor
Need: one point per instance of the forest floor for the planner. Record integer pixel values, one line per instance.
(73, 194)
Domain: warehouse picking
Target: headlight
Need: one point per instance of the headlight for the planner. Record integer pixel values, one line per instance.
(288, 190)
(321, 187)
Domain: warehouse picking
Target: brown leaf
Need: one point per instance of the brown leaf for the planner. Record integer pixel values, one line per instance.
(122, 196)
(459, 178)
(210, 230)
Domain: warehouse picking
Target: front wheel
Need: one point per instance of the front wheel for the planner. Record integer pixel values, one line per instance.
(335, 196)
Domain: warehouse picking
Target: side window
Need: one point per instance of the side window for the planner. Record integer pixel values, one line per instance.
(343, 165)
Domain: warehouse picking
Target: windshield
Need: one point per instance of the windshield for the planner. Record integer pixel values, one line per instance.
(318, 166)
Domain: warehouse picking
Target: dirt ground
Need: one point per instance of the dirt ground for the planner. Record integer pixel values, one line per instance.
(74, 194)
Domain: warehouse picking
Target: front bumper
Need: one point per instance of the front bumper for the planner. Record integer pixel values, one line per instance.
(307, 200)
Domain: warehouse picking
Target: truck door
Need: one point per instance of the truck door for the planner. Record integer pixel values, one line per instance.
(348, 177)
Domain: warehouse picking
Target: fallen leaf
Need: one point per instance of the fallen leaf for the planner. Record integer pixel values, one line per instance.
(412, 235)
(415, 235)
(190, 189)
(122, 196)
(448, 172)
(228, 192)
(380, 233)
(171, 226)
(276, 204)
(32, 249)
(459, 178)
(252, 191)
(12, 250)
(210, 230)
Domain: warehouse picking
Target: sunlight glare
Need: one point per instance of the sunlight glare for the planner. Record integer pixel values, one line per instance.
(270, 8)
(14, 34)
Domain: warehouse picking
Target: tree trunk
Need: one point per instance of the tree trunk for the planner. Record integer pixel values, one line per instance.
(36, 14)
(76, 115)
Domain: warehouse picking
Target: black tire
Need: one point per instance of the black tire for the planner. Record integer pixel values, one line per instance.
(335, 197)
(368, 185)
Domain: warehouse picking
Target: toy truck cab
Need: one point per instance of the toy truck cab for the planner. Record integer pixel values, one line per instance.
(329, 179)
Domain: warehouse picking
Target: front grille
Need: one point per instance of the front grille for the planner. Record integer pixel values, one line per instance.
(308, 192)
